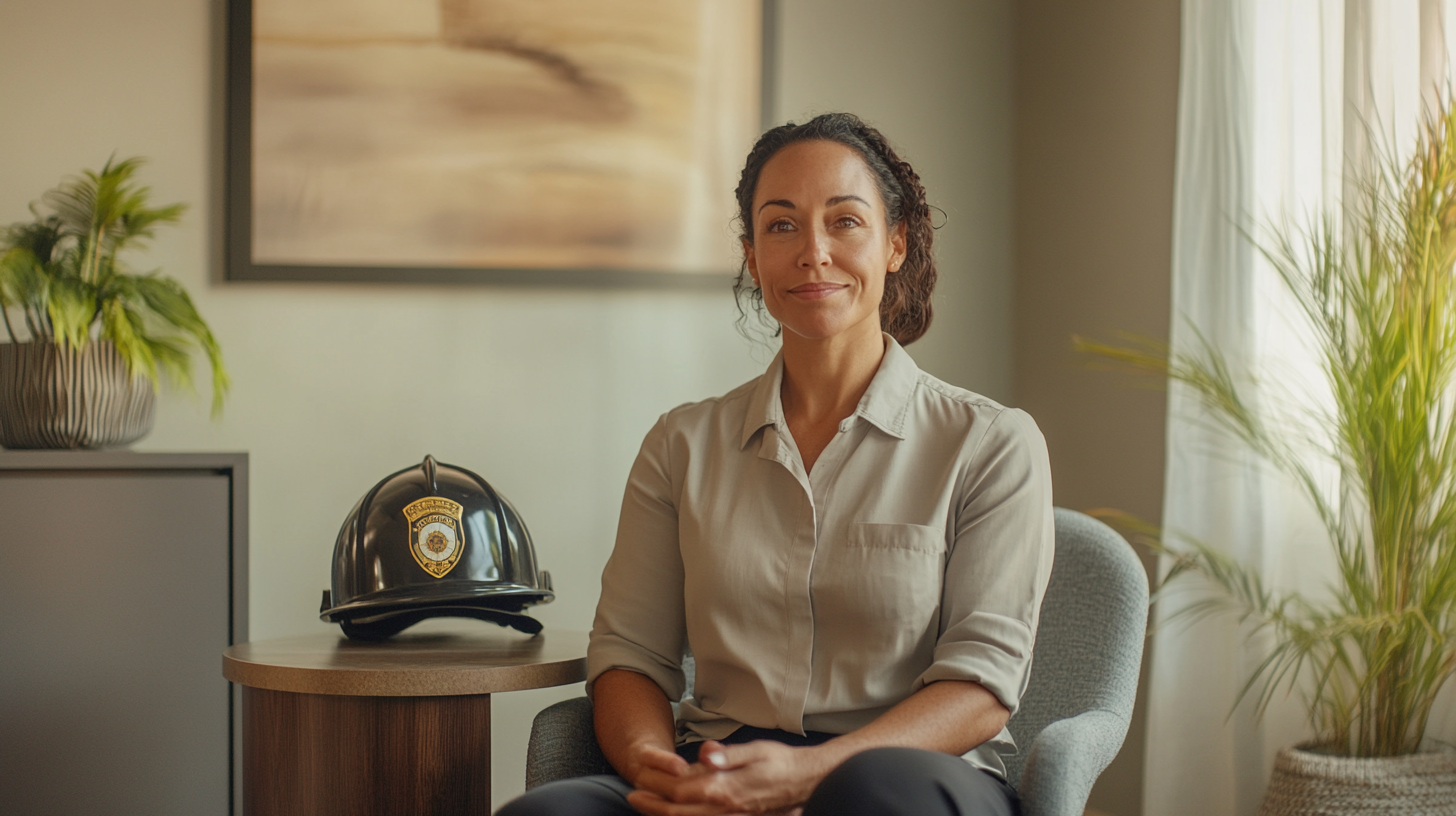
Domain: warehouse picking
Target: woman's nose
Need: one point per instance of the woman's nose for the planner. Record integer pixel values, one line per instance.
(815, 250)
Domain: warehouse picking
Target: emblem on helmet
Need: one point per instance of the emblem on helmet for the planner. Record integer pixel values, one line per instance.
(434, 531)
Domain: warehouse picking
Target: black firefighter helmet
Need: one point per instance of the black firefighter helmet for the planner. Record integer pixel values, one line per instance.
(430, 541)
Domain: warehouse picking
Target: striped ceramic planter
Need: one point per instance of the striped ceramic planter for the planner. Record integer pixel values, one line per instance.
(56, 397)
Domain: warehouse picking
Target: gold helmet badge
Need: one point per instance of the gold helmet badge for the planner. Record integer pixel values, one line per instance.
(435, 534)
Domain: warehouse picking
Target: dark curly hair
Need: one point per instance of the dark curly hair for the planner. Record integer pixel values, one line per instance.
(905, 309)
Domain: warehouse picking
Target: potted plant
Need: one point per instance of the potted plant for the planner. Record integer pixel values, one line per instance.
(1374, 280)
(89, 338)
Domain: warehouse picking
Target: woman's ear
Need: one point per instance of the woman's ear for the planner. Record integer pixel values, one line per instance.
(897, 247)
(749, 260)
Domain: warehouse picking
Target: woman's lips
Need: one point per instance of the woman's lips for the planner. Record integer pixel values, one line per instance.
(815, 291)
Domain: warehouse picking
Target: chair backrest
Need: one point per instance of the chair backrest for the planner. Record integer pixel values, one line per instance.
(1089, 642)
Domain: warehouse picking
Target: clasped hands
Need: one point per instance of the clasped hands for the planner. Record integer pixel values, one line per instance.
(761, 777)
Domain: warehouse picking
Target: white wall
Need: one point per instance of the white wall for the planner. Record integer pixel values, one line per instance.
(544, 392)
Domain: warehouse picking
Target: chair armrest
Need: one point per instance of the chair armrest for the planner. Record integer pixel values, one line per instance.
(564, 744)
(1065, 759)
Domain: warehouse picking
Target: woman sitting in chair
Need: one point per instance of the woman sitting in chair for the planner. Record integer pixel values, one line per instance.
(854, 551)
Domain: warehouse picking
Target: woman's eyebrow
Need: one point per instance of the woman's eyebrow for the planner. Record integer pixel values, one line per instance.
(789, 205)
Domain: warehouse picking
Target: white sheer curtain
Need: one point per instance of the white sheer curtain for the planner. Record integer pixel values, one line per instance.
(1277, 100)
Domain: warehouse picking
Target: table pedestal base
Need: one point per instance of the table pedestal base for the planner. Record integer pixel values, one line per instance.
(330, 755)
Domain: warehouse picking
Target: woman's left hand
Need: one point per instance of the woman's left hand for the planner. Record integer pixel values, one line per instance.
(762, 777)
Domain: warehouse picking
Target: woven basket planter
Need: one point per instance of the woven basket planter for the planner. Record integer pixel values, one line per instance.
(1311, 784)
(56, 397)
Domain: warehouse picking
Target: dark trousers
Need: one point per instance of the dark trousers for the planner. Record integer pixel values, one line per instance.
(878, 782)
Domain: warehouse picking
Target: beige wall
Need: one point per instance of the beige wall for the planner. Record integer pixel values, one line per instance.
(1096, 100)
(545, 392)
(935, 76)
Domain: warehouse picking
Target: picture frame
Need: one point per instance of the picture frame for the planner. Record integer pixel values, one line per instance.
(608, 222)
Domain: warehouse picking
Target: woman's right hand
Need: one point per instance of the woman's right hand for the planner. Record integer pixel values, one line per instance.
(657, 771)
(635, 729)
(760, 777)
(658, 776)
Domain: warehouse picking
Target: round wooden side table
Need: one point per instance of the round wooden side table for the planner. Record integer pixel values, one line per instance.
(334, 727)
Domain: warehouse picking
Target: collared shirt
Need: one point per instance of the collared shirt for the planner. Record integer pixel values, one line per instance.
(917, 549)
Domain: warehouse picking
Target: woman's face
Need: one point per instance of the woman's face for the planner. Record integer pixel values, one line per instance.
(821, 248)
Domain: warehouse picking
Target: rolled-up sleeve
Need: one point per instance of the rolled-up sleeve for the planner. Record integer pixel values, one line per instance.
(639, 623)
(999, 561)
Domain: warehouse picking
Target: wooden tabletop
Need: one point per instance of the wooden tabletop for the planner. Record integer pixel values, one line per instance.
(435, 658)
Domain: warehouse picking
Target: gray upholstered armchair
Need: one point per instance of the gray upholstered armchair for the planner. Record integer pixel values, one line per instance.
(1075, 712)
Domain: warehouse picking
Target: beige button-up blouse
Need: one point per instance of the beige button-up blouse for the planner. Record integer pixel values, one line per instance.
(916, 550)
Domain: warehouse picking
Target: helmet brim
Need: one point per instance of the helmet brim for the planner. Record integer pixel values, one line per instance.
(500, 597)
(385, 625)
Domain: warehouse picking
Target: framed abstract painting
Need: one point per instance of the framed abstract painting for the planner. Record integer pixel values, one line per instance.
(551, 142)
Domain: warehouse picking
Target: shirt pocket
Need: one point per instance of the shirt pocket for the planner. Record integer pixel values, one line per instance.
(884, 586)
(913, 537)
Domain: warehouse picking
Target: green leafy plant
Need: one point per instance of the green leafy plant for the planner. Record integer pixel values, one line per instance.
(1374, 280)
(61, 273)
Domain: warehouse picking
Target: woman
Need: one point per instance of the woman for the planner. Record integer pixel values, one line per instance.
(853, 551)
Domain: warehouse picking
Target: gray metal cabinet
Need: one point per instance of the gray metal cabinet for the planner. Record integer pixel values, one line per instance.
(123, 576)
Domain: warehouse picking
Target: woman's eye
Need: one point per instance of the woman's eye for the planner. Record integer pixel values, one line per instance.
(847, 221)
(780, 226)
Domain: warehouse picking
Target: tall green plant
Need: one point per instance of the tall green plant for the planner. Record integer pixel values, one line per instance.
(62, 274)
(1374, 280)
